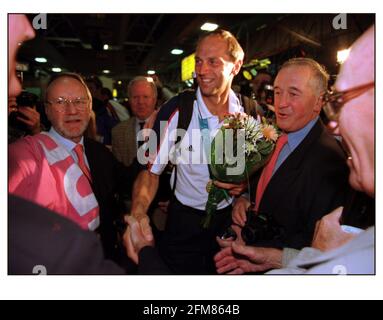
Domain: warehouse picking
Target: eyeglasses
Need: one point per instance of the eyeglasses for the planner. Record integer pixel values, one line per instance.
(334, 101)
(81, 104)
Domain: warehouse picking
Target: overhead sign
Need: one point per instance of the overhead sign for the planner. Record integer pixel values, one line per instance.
(187, 67)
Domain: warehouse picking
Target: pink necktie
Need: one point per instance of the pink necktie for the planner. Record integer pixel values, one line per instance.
(79, 150)
(267, 171)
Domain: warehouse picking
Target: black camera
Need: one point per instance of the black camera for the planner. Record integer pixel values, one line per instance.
(26, 99)
(259, 227)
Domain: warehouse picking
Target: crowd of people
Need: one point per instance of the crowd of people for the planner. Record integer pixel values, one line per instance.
(80, 195)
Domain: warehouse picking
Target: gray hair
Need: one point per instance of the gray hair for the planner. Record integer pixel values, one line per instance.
(148, 80)
(320, 75)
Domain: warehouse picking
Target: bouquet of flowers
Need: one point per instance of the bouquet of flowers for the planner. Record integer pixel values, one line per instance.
(242, 146)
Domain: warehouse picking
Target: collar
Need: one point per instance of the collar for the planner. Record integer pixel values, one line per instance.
(67, 144)
(146, 120)
(295, 138)
(234, 105)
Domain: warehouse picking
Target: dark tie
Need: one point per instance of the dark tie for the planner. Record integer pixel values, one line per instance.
(79, 150)
(140, 135)
(267, 171)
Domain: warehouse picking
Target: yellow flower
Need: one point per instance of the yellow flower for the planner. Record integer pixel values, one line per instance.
(269, 132)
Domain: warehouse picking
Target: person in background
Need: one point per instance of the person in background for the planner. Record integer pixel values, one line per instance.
(163, 92)
(105, 120)
(126, 138)
(116, 109)
(262, 93)
(23, 119)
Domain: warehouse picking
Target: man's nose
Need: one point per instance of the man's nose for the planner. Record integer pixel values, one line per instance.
(282, 101)
(70, 108)
(141, 100)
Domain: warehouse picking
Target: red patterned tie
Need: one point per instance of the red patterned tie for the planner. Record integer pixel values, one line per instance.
(79, 150)
(268, 170)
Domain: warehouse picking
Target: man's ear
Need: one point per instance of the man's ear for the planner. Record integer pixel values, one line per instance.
(237, 67)
(319, 103)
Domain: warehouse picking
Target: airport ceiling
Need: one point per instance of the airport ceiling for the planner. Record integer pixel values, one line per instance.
(139, 42)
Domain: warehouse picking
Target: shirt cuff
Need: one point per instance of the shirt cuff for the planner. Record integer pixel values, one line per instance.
(288, 255)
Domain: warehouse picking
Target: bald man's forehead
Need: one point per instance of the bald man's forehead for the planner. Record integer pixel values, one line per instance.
(66, 86)
(359, 68)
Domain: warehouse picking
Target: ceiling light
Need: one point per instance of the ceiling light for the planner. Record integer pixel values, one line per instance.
(55, 69)
(209, 26)
(342, 55)
(106, 71)
(41, 59)
(119, 82)
(177, 51)
(151, 72)
(106, 46)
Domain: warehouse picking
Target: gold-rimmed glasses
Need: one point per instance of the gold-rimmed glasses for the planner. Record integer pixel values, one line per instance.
(61, 103)
(334, 101)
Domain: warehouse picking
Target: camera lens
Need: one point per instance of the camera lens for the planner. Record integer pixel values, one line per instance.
(26, 99)
(229, 233)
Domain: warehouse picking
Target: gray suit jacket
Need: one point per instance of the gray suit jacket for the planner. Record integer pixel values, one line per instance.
(355, 257)
(124, 145)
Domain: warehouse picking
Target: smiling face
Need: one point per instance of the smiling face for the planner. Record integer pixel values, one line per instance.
(356, 119)
(66, 119)
(296, 102)
(214, 67)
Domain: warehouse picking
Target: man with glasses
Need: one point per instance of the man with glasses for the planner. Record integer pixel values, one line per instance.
(66, 172)
(336, 248)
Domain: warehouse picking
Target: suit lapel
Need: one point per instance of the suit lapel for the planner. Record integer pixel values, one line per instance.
(130, 140)
(93, 164)
(290, 168)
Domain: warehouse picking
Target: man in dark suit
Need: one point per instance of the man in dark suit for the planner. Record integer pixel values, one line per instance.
(142, 93)
(310, 174)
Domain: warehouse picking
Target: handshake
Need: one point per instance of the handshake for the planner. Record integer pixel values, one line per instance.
(137, 236)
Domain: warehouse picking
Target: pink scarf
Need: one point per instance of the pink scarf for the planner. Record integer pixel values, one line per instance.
(53, 180)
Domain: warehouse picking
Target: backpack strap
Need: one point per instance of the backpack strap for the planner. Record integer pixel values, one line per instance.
(185, 112)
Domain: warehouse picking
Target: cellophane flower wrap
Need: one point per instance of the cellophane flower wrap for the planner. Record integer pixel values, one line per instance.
(241, 139)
